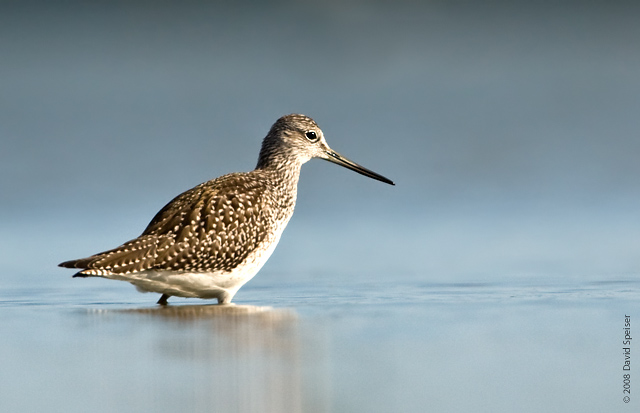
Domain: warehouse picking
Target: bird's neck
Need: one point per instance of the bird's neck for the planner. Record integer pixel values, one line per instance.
(283, 177)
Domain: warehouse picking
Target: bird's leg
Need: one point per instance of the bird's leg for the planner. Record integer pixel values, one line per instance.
(163, 299)
(224, 297)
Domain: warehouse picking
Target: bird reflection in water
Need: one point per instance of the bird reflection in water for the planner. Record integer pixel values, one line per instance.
(237, 357)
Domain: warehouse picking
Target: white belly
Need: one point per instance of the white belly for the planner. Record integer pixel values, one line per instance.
(208, 285)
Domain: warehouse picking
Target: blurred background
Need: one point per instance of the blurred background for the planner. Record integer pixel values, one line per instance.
(511, 130)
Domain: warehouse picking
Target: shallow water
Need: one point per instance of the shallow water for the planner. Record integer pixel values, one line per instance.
(318, 346)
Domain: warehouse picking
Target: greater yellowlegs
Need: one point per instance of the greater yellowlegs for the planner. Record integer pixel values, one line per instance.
(210, 240)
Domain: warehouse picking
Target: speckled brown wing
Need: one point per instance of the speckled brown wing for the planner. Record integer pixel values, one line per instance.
(212, 227)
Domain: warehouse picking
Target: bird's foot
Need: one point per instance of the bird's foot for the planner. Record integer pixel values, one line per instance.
(163, 299)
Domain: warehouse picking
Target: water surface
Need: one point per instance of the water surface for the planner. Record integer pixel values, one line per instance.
(319, 346)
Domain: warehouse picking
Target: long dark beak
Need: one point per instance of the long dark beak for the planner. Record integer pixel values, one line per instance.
(335, 157)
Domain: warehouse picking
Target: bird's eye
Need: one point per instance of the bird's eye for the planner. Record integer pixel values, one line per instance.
(311, 135)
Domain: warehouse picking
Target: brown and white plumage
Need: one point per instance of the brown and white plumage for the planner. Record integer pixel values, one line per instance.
(210, 240)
